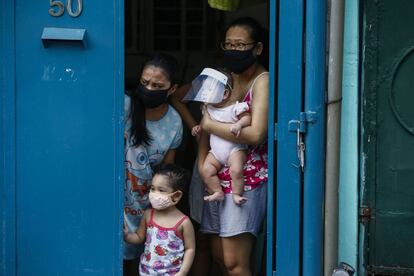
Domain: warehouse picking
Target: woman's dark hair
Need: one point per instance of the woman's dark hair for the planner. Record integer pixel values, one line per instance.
(257, 33)
(178, 177)
(139, 132)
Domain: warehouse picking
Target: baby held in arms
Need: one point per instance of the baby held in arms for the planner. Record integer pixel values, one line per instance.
(214, 88)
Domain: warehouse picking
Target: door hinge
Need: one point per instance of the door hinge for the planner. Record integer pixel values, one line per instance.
(364, 214)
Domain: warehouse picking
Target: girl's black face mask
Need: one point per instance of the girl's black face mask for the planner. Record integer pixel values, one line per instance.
(152, 98)
(238, 61)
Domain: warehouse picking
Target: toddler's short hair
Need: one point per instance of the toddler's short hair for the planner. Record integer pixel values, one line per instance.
(178, 177)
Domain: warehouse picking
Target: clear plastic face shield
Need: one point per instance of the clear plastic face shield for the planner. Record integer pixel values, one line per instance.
(208, 87)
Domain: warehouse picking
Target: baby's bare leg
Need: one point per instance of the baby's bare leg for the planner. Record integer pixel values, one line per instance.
(236, 163)
(209, 174)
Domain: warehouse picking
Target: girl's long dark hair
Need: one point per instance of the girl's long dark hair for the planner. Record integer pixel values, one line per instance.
(139, 132)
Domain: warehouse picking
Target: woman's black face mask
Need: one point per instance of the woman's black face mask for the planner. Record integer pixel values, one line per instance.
(152, 98)
(238, 61)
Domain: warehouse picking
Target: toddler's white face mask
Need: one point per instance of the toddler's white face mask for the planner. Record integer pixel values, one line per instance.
(160, 201)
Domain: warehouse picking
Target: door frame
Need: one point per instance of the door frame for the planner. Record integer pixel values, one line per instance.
(7, 140)
(270, 218)
(289, 180)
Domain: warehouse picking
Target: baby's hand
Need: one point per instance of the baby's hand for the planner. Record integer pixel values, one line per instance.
(195, 131)
(235, 129)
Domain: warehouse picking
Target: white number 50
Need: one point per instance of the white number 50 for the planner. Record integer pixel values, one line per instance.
(60, 8)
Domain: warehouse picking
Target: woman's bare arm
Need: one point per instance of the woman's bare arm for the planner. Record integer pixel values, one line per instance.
(182, 107)
(169, 157)
(254, 134)
(203, 148)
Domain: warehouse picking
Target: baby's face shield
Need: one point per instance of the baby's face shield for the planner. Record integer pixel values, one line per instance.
(208, 87)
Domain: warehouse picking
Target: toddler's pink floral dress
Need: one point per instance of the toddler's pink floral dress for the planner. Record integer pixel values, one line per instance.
(164, 249)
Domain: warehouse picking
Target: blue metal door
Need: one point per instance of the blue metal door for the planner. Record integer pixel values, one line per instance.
(301, 120)
(62, 145)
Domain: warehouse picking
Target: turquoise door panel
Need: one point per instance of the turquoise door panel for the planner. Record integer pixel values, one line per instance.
(271, 188)
(68, 101)
(289, 179)
(388, 135)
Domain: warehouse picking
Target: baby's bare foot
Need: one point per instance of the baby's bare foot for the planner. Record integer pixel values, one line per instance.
(238, 199)
(216, 196)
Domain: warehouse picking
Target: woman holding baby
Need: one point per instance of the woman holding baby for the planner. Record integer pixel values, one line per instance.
(233, 227)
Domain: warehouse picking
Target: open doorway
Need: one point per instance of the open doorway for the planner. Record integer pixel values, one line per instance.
(191, 31)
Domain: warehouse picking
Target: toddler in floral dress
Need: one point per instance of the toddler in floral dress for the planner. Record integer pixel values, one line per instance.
(168, 233)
